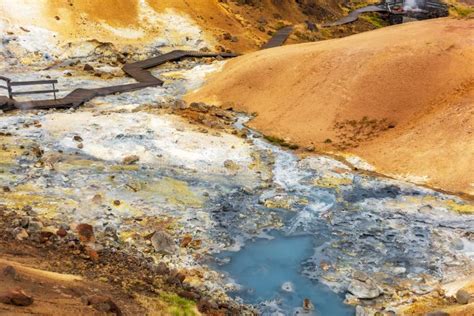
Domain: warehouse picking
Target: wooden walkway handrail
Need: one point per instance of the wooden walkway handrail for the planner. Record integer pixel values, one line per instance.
(32, 83)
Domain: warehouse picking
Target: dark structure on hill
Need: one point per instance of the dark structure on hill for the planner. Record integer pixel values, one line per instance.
(396, 10)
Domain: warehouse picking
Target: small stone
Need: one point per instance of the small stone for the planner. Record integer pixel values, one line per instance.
(307, 305)
(129, 160)
(117, 202)
(61, 232)
(364, 290)
(35, 226)
(97, 199)
(88, 67)
(102, 304)
(77, 138)
(457, 244)
(359, 275)
(463, 296)
(179, 105)
(16, 297)
(80, 145)
(425, 209)
(21, 234)
(10, 272)
(163, 243)
(325, 266)
(196, 244)
(186, 241)
(310, 148)
(6, 189)
(399, 270)
(45, 236)
(231, 165)
(85, 232)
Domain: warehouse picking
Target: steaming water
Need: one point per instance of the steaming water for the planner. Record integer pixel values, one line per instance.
(410, 5)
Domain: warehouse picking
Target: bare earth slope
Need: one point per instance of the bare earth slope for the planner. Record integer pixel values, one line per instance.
(228, 24)
(400, 97)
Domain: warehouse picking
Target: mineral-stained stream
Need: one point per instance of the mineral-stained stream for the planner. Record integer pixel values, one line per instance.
(268, 228)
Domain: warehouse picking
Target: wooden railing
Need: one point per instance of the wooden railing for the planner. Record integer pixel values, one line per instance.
(10, 84)
(7, 86)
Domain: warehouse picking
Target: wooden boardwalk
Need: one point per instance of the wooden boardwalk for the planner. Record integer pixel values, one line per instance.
(137, 70)
(279, 38)
(354, 15)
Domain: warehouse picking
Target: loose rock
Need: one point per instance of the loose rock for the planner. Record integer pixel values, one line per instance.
(102, 304)
(463, 296)
(85, 232)
(364, 290)
(163, 243)
(88, 67)
(130, 160)
(16, 297)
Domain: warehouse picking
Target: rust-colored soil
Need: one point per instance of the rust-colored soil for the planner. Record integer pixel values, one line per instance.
(401, 98)
(240, 28)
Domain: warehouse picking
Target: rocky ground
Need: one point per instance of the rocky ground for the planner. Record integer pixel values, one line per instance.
(94, 272)
(129, 204)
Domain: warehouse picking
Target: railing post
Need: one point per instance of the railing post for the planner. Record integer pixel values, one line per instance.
(54, 92)
(10, 93)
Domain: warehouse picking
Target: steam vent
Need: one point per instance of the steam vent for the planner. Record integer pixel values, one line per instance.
(231, 157)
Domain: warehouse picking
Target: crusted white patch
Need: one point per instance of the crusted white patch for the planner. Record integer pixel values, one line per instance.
(155, 139)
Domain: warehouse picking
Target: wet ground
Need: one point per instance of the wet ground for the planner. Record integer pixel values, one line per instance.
(278, 228)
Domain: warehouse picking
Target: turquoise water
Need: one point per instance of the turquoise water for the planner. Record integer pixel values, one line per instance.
(265, 266)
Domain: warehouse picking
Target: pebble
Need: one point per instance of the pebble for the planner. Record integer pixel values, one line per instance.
(35, 226)
(364, 290)
(88, 67)
(102, 304)
(61, 232)
(359, 275)
(464, 297)
(130, 160)
(163, 243)
(20, 234)
(85, 232)
(16, 297)
(308, 305)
